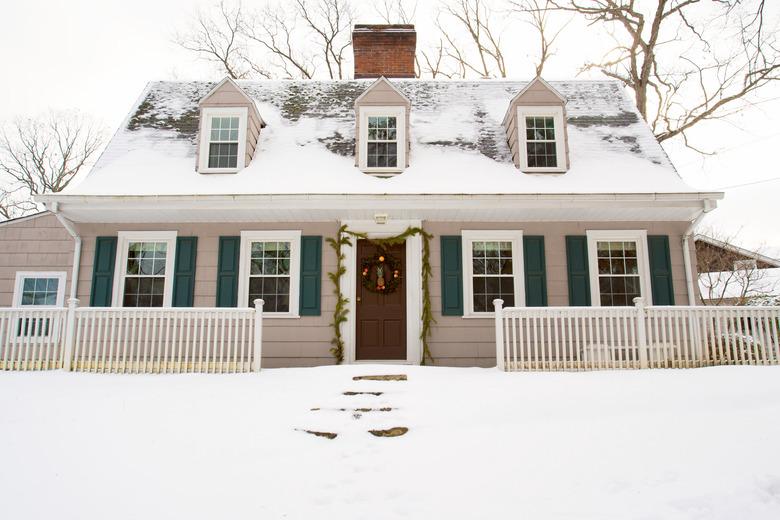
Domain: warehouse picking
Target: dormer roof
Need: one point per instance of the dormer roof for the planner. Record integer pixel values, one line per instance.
(386, 85)
(220, 95)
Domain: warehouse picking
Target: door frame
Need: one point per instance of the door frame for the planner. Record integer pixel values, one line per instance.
(413, 278)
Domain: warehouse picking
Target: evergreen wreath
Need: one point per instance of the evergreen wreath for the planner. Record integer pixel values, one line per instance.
(388, 273)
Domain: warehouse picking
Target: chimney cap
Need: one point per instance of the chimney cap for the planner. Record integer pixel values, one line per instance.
(366, 27)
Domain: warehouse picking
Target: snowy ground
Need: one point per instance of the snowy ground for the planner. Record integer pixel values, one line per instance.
(610, 445)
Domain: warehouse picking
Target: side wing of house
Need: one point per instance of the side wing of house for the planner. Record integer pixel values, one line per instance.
(36, 258)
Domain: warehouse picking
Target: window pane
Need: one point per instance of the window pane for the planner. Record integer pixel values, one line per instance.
(39, 291)
(269, 275)
(618, 272)
(223, 155)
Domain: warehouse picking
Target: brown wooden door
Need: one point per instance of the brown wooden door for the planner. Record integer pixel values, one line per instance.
(381, 318)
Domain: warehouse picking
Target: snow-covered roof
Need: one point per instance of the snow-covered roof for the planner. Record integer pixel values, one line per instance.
(458, 145)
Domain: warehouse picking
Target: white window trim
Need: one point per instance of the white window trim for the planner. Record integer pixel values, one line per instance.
(292, 236)
(399, 112)
(123, 240)
(18, 284)
(560, 131)
(636, 235)
(205, 134)
(471, 236)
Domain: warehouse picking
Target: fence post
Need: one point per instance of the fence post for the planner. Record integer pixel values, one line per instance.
(70, 333)
(498, 304)
(641, 332)
(257, 347)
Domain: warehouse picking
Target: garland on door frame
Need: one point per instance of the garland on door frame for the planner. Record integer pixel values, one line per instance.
(344, 238)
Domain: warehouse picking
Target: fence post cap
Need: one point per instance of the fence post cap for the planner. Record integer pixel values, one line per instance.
(259, 302)
(73, 302)
(639, 301)
(498, 303)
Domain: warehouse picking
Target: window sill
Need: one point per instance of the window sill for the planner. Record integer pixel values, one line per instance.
(544, 170)
(220, 170)
(382, 171)
(479, 316)
(271, 315)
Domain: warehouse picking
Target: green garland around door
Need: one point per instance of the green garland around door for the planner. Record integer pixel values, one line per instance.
(344, 238)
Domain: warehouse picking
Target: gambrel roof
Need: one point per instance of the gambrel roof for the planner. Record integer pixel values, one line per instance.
(458, 144)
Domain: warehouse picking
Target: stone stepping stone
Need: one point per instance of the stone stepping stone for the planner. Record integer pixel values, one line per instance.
(360, 410)
(396, 431)
(389, 377)
(327, 435)
(362, 393)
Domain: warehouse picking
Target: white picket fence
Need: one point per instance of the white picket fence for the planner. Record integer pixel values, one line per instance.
(593, 338)
(132, 340)
(32, 339)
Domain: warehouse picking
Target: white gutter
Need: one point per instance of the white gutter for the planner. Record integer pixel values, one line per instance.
(708, 206)
(68, 225)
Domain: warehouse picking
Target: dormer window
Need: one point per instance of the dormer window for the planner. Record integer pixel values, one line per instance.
(541, 142)
(223, 140)
(382, 139)
(382, 142)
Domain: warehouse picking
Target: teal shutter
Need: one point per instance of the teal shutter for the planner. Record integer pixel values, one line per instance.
(227, 271)
(311, 276)
(535, 271)
(579, 278)
(660, 270)
(184, 271)
(451, 276)
(103, 272)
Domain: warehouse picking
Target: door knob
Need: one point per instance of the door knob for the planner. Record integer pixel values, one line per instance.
(358, 298)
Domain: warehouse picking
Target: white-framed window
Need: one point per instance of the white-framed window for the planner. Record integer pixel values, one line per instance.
(223, 139)
(382, 139)
(492, 268)
(144, 268)
(541, 142)
(269, 269)
(619, 267)
(39, 289)
(36, 290)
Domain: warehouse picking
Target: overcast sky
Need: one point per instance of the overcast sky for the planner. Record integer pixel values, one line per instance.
(96, 56)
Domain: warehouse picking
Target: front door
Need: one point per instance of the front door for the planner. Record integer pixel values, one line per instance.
(381, 301)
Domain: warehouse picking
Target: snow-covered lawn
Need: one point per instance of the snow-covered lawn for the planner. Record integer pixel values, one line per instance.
(482, 444)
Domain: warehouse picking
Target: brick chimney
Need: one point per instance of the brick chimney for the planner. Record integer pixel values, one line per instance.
(384, 50)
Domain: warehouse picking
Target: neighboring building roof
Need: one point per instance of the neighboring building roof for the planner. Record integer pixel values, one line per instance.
(26, 217)
(714, 242)
(458, 145)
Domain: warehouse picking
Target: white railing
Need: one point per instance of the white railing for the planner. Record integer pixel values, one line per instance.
(593, 338)
(32, 339)
(133, 340)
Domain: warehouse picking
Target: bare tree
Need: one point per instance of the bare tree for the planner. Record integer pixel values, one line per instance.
(216, 37)
(43, 155)
(483, 55)
(396, 11)
(686, 61)
(13, 204)
(539, 14)
(728, 277)
(274, 28)
(331, 22)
